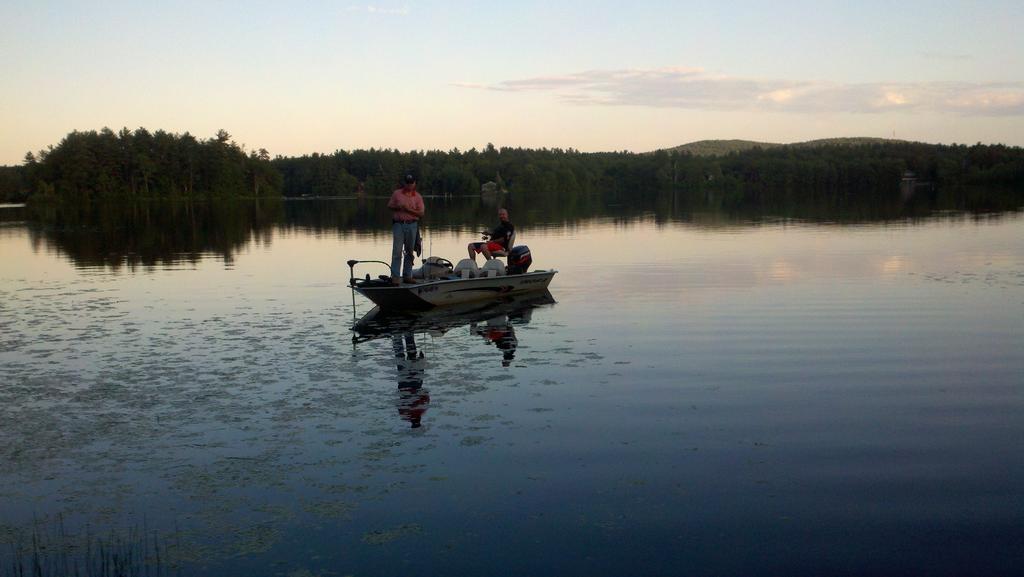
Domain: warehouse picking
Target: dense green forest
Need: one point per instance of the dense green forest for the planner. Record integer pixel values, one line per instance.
(140, 164)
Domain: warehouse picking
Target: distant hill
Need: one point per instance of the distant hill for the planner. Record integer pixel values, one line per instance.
(720, 147)
(723, 147)
(854, 141)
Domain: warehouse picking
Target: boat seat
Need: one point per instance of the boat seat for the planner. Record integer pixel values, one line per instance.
(467, 268)
(493, 267)
(432, 269)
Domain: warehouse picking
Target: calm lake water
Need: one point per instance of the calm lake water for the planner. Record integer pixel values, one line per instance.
(704, 393)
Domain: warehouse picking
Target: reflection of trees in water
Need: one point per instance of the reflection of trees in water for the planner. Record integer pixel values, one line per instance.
(166, 232)
(866, 206)
(152, 233)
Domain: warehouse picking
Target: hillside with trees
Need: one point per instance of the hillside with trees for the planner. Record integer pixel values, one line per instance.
(724, 147)
(719, 147)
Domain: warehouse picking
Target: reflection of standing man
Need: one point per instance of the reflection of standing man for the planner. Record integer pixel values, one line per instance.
(413, 400)
(407, 208)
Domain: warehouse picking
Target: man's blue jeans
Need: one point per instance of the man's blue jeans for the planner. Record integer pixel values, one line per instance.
(404, 242)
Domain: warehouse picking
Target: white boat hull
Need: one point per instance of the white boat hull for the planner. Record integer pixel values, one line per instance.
(441, 292)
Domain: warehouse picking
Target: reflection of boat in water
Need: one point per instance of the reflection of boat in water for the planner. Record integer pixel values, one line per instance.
(494, 320)
(441, 284)
(382, 322)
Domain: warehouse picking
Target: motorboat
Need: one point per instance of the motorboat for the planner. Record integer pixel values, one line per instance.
(439, 283)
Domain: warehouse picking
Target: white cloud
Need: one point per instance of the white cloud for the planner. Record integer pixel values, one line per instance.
(385, 10)
(777, 96)
(947, 56)
(693, 88)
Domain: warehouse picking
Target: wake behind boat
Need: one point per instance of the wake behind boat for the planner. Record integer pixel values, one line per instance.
(441, 284)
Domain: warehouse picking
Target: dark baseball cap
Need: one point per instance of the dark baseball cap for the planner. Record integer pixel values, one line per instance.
(409, 179)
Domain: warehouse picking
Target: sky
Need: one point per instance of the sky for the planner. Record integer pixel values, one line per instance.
(303, 77)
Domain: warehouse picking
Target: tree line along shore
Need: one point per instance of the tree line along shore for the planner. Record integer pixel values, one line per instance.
(139, 164)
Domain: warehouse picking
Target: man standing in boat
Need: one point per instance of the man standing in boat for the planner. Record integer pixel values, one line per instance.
(497, 240)
(407, 208)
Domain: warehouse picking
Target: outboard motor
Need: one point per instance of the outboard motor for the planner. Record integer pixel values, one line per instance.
(519, 259)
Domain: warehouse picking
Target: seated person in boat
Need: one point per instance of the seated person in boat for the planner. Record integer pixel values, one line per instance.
(495, 241)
